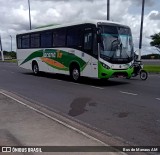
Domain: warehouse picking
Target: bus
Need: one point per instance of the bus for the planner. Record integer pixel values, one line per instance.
(95, 49)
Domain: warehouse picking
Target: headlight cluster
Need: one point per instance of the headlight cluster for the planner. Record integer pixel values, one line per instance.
(105, 66)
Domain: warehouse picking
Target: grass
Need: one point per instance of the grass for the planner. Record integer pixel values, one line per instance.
(152, 68)
(10, 60)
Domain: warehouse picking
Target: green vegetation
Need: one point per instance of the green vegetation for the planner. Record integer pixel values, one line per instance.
(152, 68)
(156, 41)
(9, 55)
(10, 60)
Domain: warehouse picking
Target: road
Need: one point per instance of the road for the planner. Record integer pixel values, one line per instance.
(126, 109)
(151, 61)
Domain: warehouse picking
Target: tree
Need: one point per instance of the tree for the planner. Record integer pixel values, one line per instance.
(156, 41)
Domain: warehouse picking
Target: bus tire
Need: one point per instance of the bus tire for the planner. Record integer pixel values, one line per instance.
(35, 68)
(75, 72)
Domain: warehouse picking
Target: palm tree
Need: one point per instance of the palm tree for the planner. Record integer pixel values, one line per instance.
(156, 41)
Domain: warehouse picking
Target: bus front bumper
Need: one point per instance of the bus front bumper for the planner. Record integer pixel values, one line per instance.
(105, 73)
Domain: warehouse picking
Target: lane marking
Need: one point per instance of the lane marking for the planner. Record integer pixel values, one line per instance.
(97, 87)
(81, 84)
(52, 118)
(128, 93)
(158, 99)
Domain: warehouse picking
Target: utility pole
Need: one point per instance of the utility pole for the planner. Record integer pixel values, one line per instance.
(11, 42)
(2, 56)
(141, 30)
(108, 9)
(29, 9)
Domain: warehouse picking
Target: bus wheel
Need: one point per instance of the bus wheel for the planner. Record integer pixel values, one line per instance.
(35, 68)
(75, 73)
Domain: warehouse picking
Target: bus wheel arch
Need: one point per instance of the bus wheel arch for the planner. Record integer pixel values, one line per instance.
(74, 70)
(35, 67)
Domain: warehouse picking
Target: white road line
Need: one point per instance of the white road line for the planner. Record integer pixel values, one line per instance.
(155, 75)
(97, 87)
(128, 93)
(68, 82)
(79, 84)
(158, 99)
(60, 122)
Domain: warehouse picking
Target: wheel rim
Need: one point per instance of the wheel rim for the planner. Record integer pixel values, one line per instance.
(35, 69)
(143, 76)
(75, 74)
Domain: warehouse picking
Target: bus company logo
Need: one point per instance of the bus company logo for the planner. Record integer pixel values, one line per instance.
(57, 54)
(49, 55)
(6, 149)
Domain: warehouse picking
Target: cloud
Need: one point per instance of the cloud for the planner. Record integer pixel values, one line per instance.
(14, 16)
(154, 15)
(148, 3)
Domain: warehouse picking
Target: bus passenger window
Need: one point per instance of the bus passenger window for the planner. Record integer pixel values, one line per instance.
(35, 40)
(95, 46)
(46, 39)
(25, 41)
(19, 42)
(74, 38)
(88, 39)
(59, 38)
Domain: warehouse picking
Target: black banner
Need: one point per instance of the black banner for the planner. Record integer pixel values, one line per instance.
(79, 149)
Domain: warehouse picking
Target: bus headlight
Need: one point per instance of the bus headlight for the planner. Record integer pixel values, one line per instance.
(105, 66)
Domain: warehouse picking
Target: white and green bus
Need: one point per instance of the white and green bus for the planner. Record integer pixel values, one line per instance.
(96, 49)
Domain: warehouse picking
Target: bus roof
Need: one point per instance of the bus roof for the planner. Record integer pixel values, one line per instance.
(54, 26)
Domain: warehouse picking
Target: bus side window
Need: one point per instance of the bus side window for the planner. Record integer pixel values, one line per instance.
(46, 39)
(25, 41)
(88, 41)
(74, 37)
(19, 42)
(95, 46)
(59, 38)
(35, 40)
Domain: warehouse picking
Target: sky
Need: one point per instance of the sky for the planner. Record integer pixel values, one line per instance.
(14, 16)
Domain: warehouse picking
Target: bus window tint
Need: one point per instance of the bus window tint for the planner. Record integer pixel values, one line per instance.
(25, 41)
(46, 39)
(19, 42)
(88, 40)
(95, 47)
(35, 40)
(59, 37)
(74, 37)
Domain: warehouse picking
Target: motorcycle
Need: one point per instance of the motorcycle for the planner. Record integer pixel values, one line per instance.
(138, 70)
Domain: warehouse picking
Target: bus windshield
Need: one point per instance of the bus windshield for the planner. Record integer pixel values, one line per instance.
(116, 44)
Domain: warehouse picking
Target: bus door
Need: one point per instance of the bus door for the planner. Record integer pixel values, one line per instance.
(89, 53)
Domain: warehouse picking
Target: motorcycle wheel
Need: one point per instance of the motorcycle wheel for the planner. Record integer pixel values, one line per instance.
(143, 75)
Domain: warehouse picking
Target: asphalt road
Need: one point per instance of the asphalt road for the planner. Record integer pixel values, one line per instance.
(151, 61)
(129, 109)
